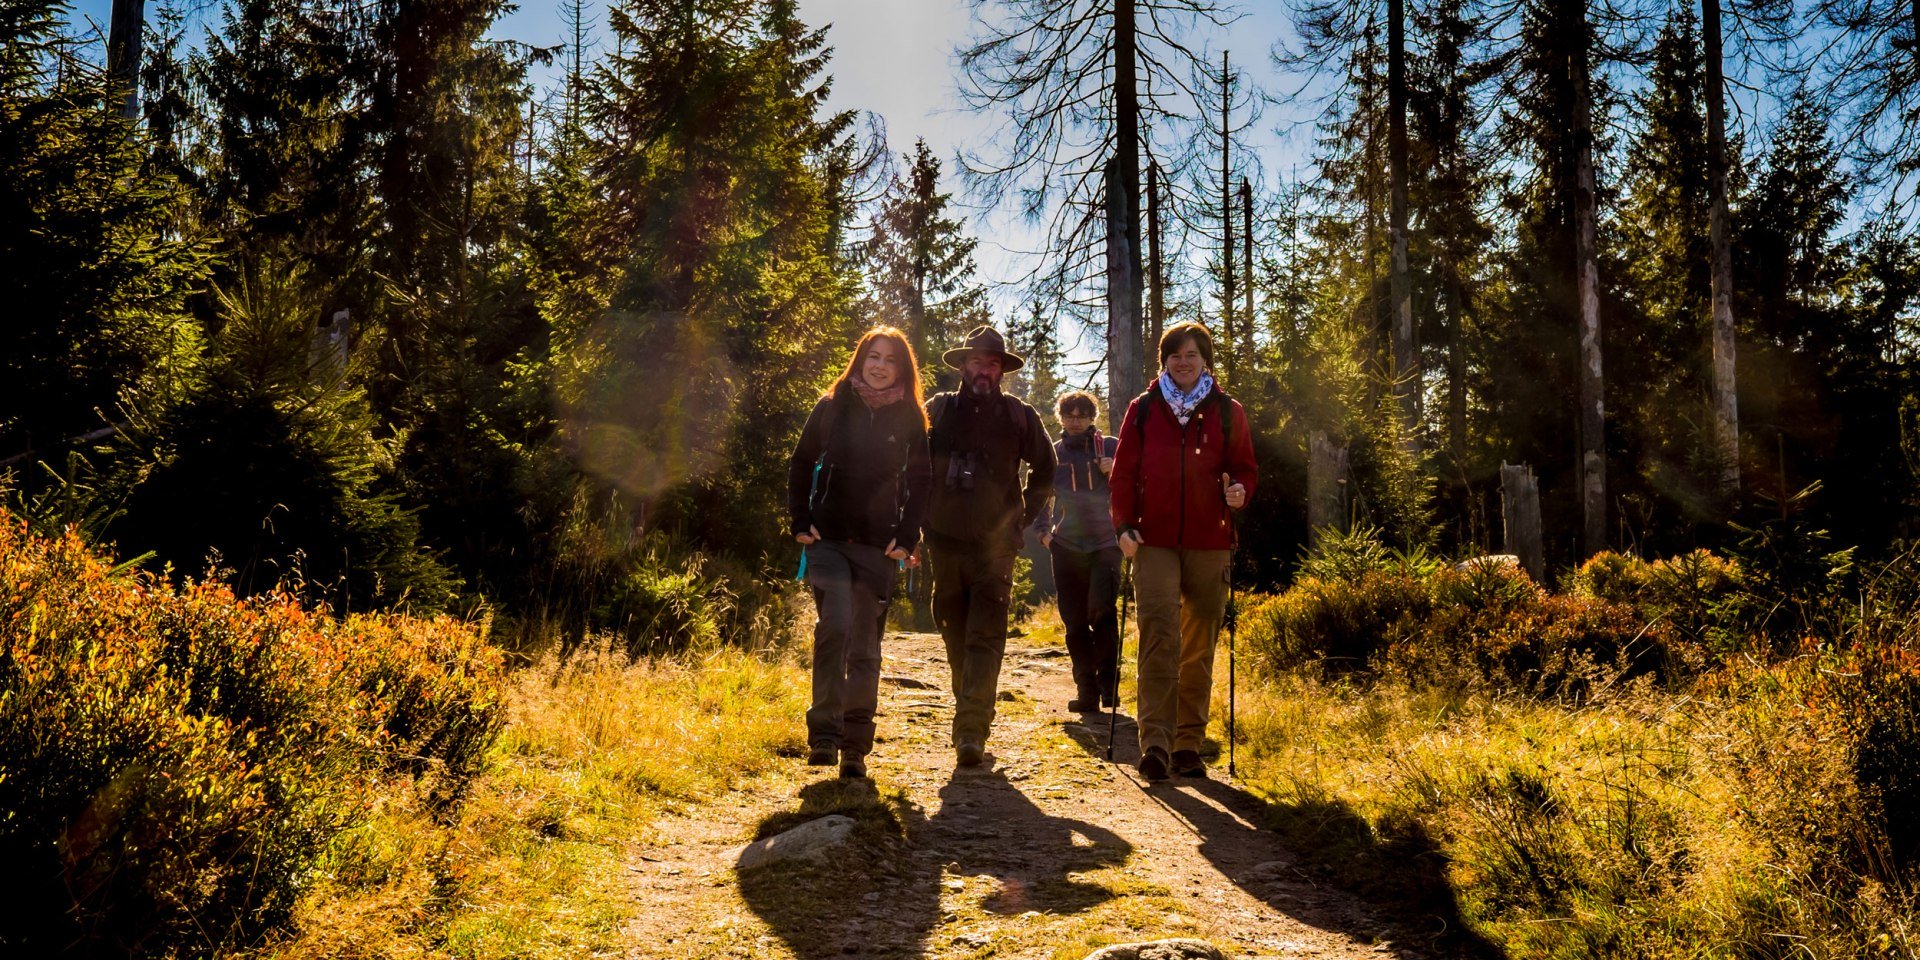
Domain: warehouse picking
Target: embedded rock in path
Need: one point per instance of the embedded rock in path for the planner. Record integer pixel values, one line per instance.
(906, 682)
(1177, 949)
(811, 841)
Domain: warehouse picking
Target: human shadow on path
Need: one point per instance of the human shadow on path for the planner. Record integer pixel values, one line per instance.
(1282, 853)
(987, 827)
(870, 897)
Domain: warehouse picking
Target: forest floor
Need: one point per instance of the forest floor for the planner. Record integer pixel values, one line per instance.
(1047, 851)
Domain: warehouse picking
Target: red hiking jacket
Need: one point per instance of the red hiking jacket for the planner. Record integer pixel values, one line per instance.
(1167, 488)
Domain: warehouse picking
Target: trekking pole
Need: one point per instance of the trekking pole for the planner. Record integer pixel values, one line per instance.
(1233, 626)
(1119, 646)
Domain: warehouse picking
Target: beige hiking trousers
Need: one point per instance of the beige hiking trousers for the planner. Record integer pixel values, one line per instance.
(1183, 598)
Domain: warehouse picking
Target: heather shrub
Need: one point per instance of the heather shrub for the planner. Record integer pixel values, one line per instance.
(1336, 624)
(174, 761)
(1694, 593)
(1481, 623)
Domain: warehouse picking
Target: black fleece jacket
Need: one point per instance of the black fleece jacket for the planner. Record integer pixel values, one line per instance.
(873, 475)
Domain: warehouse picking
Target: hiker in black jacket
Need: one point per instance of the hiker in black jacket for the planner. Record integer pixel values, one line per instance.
(857, 491)
(979, 437)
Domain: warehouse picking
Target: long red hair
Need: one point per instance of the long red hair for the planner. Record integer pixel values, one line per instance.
(911, 374)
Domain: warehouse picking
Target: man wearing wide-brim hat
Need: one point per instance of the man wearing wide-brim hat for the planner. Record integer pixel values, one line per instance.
(979, 439)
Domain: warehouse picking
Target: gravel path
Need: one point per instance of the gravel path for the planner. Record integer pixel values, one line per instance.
(1048, 851)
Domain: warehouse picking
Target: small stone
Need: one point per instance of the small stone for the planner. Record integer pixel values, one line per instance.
(909, 683)
(956, 885)
(972, 940)
(1176, 949)
(810, 841)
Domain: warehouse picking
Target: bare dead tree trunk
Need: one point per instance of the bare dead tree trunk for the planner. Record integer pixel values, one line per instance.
(1124, 280)
(1156, 278)
(1456, 368)
(1246, 270)
(1726, 409)
(1123, 341)
(1520, 518)
(1227, 337)
(1326, 485)
(124, 28)
(1592, 416)
(1405, 374)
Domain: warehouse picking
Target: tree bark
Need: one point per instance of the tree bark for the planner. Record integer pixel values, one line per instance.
(124, 28)
(1592, 416)
(1227, 337)
(1726, 410)
(1246, 270)
(1156, 279)
(1124, 280)
(1406, 373)
(1123, 338)
(1456, 367)
(1326, 485)
(1520, 518)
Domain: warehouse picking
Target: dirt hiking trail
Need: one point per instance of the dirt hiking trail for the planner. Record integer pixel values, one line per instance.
(1047, 851)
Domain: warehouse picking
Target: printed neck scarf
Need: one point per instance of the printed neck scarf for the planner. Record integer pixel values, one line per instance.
(875, 399)
(1184, 404)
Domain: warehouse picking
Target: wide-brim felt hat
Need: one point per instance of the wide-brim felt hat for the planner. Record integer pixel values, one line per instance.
(983, 340)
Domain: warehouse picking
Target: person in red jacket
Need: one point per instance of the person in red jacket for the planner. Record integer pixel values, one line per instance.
(1185, 463)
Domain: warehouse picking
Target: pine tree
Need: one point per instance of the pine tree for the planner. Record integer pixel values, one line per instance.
(724, 303)
(96, 280)
(1038, 380)
(920, 266)
(1660, 259)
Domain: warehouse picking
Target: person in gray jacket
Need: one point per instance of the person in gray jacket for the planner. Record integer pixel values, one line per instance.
(1078, 531)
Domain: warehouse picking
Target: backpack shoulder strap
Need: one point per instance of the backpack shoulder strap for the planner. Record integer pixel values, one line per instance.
(1147, 399)
(829, 416)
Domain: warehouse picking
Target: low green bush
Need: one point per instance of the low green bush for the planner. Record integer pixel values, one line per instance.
(1482, 622)
(173, 761)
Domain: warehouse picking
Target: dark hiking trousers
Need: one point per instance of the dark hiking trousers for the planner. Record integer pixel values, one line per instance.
(972, 584)
(851, 585)
(1089, 588)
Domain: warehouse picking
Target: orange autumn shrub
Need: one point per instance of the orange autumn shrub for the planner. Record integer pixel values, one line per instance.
(174, 761)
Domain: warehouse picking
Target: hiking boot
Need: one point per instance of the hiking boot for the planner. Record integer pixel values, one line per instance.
(1187, 763)
(970, 754)
(822, 755)
(1107, 702)
(1083, 703)
(853, 768)
(1153, 764)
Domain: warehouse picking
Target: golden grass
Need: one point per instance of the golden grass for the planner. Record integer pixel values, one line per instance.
(1619, 830)
(594, 750)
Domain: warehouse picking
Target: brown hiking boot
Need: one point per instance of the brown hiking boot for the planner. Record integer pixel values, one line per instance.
(1187, 763)
(853, 768)
(970, 754)
(1153, 764)
(823, 755)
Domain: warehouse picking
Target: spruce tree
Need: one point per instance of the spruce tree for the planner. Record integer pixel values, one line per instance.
(96, 276)
(920, 267)
(724, 304)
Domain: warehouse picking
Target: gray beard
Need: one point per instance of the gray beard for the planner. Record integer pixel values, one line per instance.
(977, 389)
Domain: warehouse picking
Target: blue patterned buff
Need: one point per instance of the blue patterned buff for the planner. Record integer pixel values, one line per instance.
(1183, 404)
